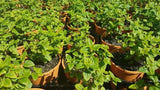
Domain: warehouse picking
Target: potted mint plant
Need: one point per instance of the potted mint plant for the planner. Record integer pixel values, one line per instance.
(39, 33)
(14, 75)
(143, 43)
(87, 62)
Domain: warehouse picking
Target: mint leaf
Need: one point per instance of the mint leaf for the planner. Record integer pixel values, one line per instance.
(34, 76)
(86, 76)
(28, 63)
(7, 83)
(79, 86)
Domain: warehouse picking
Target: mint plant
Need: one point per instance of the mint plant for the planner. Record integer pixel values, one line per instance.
(143, 42)
(110, 15)
(45, 22)
(16, 75)
(40, 31)
(87, 62)
(77, 20)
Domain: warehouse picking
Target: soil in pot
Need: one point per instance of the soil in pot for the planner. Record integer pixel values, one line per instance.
(111, 39)
(127, 62)
(47, 66)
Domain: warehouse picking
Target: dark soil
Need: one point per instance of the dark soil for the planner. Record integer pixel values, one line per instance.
(49, 65)
(129, 63)
(112, 40)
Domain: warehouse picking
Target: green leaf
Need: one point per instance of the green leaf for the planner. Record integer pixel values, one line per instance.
(107, 61)
(34, 76)
(153, 88)
(75, 53)
(7, 61)
(48, 57)
(68, 57)
(38, 70)
(2, 72)
(7, 83)
(28, 63)
(154, 78)
(13, 50)
(84, 50)
(24, 54)
(23, 81)
(70, 66)
(86, 76)
(103, 88)
(79, 86)
(133, 86)
(143, 69)
(79, 66)
(11, 74)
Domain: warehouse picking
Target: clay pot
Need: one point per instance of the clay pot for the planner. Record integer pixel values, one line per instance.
(113, 48)
(158, 71)
(92, 38)
(72, 29)
(47, 77)
(36, 89)
(122, 87)
(130, 76)
(67, 74)
(99, 30)
(20, 49)
(69, 46)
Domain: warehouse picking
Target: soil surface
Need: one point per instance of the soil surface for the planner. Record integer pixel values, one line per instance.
(112, 40)
(128, 63)
(49, 65)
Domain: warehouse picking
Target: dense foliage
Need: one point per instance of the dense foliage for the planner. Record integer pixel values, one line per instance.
(44, 27)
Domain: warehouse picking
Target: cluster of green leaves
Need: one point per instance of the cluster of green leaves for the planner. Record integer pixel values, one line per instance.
(78, 17)
(142, 19)
(88, 61)
(38, 29)
(144, 40)
(15, 75)
(36, 25)
(110, 14)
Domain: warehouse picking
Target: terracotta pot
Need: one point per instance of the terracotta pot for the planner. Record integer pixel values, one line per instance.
(158, 71)
(130, 76)
(99, 30)
(72, 29)
(47, 77)
(36, 89)
(67, 74)
(92, 38)
(113, 87)
(20, 49)
(69, 46)
(113, 48)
